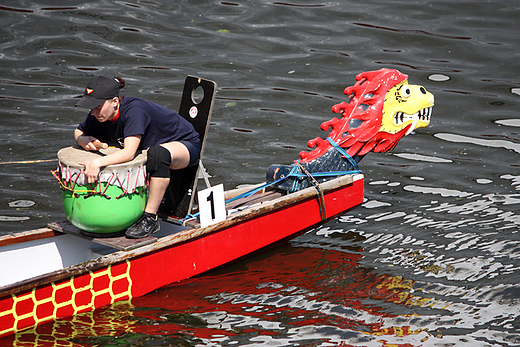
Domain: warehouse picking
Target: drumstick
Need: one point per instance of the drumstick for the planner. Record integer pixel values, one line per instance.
(99, 144)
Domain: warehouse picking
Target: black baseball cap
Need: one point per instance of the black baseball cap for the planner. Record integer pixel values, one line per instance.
(98, 90)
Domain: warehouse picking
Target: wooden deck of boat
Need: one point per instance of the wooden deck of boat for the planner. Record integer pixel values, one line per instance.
(120, 242)
(258, 198)
(236, 205)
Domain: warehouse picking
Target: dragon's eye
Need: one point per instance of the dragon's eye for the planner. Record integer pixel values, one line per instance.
(405, 92)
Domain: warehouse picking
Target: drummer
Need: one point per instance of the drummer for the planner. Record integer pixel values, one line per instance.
(136, 124)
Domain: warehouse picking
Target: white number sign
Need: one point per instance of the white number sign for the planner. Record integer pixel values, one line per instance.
(212, 206)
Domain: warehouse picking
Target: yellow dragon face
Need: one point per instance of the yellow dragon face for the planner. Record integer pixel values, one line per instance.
(406, 104)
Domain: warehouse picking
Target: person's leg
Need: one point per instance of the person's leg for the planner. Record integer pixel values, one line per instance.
(172, 155)
(179, 153)
(180, 158)
(156, 190)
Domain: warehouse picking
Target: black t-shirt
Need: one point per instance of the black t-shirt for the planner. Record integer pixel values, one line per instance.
(154, 122)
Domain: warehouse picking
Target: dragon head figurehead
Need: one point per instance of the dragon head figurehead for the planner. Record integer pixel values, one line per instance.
(382, 108)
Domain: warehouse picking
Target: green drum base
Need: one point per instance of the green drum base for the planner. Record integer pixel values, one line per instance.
(98, 214)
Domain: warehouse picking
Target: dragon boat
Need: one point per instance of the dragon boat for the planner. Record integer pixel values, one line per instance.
(61, 270)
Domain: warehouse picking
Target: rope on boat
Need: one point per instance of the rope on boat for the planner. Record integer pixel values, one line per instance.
(295, 173)
(321, 198)
(98, 189)
(345, 154)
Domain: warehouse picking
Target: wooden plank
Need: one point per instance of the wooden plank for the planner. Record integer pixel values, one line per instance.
(191, 223)
(122, 243)
(257, 198)
(25, 236)
(228, 194)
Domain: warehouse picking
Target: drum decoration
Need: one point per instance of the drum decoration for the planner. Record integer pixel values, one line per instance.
(109, 206)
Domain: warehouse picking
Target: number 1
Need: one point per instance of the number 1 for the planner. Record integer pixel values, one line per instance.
(210, 200)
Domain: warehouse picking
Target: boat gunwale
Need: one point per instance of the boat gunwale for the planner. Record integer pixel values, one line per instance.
(183, 236)
(26, 236)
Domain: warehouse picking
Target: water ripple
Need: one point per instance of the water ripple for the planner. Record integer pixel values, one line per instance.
(481, 142)
(415, 31)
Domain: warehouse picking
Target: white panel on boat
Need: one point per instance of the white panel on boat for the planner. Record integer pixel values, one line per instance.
(29, 262)
(34, 258)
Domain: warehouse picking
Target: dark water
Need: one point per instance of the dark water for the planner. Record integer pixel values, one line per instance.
(432, 258)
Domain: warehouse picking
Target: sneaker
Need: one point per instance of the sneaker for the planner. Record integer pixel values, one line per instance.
(146, 225)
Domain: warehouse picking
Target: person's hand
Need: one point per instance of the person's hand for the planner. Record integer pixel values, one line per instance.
(87, 142)
(92, 169)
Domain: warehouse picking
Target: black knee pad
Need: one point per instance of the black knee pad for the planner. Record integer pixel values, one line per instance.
(158, 162)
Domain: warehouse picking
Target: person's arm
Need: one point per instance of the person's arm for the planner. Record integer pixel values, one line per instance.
(85, 141)
(127, 154)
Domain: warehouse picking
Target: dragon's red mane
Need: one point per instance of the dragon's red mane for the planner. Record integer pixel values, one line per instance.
(357, 130)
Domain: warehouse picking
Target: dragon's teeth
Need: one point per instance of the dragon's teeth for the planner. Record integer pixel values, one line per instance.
(423, 115)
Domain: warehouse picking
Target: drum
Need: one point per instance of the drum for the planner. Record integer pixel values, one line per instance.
(109, 206)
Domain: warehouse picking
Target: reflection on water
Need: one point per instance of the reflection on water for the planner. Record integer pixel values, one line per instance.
(430, 259)
(276, 299)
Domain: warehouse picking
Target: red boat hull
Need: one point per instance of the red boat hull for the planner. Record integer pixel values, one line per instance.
(146, 272)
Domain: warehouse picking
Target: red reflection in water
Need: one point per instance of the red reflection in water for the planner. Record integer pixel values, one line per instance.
(296, 287)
